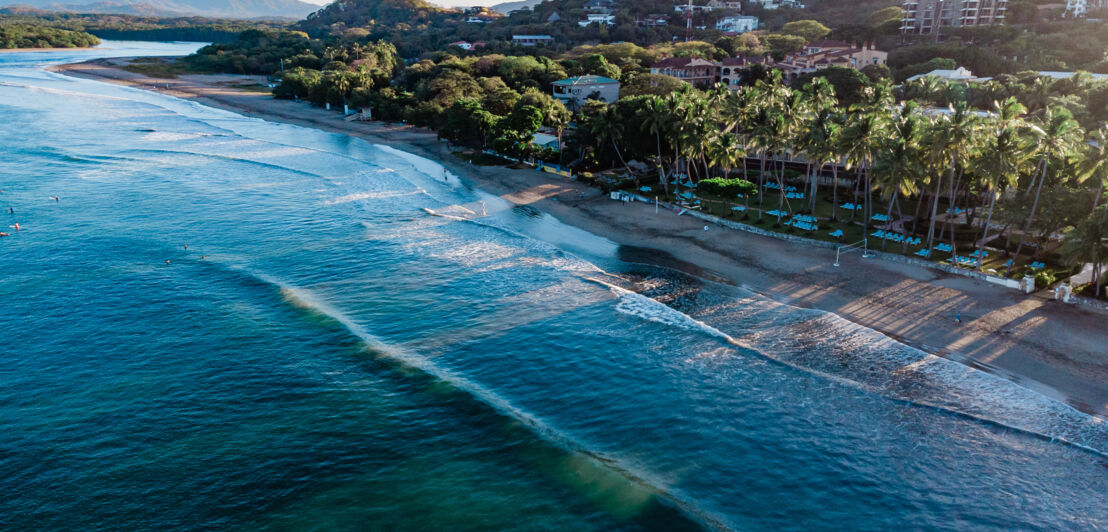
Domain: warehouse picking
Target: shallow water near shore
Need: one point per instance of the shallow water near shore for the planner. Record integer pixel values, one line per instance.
(348, 343)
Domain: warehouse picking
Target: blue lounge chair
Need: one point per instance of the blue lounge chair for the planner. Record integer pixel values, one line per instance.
(925, 253)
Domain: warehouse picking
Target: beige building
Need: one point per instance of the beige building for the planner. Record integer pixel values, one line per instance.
(693, 70)
(823, 54)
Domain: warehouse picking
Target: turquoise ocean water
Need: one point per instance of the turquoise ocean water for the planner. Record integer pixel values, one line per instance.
(346, 343)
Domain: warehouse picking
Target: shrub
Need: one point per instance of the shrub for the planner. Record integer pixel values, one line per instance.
(725, 187)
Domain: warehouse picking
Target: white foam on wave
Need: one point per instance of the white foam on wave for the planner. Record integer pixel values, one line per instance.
(306, 299)
(826, 344)
(362, 196)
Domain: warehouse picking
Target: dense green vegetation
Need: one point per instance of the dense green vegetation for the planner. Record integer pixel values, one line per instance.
(1023, 170)
(136, 28)
(17, 35)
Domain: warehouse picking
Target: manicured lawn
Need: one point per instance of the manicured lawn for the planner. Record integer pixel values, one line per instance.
(853, 230)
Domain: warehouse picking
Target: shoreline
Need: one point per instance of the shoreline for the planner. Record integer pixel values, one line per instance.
(1058, 350)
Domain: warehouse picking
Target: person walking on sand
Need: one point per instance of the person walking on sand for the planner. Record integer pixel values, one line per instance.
(958, 318)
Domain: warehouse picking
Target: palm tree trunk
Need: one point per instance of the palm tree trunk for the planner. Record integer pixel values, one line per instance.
(988, 220)
(889, 215)
(815, 188)
(835, 193)
(1031, 216)
(935, 210)
(955, 184)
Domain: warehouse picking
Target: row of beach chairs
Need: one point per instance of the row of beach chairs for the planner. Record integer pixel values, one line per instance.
(896, 237)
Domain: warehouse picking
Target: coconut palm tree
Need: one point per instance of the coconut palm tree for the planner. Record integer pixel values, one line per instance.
(866, 128)
(897, 169)
(1087, 243)
(1095, 165)
(657, 118)
(724, 152)
(1058, 138)
(819, 132)
(1005, 154)
(952, 139)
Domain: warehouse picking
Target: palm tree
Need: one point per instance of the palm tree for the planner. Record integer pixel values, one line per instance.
(1058, 138)
(951, 141)
(1096, 164)
(609, 126)
(1087, 242)
(863, 134)
(821, 131)
(897, 169)
(1004, 155)
(657, 119)
(725, 152)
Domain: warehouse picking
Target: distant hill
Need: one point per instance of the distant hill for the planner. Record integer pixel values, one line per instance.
(508, 7)
(379, 14)
(244, 9)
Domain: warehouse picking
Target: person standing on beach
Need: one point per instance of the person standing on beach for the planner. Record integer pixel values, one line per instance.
(958, 318)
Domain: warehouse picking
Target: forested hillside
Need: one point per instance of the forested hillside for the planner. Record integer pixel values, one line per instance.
(21, 35)
(135, 28)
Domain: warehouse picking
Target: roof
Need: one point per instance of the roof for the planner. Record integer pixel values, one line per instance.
(586, 80)
(542, 139)
(532, 37)
(1066, 75)
(959, 73)
(682, 62)
(743, 60)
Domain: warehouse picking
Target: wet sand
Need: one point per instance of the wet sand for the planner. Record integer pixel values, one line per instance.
(1059, 350)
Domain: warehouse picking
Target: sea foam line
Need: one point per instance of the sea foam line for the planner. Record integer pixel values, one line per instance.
(643, 307)
(305, 299)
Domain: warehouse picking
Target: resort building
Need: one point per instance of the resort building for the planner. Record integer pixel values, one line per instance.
(730, 69)
(653, 21)
(532, 40)
(929, 16)
(599, 19)
(600, 6)
(738, 24)
(823, 54)
(574, 91)
(464, 45)
(713, 5)
(546, 140)
(692, 70)
(960, 74)
(1081, 8)
(483, 18)
(776, 4)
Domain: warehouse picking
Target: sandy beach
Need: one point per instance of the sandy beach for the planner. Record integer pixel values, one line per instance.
(1059, 350)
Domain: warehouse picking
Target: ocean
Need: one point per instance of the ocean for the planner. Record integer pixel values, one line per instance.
(343, 339)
